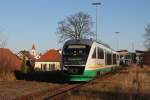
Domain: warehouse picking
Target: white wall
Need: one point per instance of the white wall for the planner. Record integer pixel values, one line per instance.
(38, 65)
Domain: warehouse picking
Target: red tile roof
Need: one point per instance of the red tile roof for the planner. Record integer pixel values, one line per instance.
(50, 56)
(9, 60)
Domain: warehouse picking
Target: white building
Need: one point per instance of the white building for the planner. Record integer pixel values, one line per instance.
(49, 61)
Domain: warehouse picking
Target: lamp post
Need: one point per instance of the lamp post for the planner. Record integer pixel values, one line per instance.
(96, 4)
(117, 40)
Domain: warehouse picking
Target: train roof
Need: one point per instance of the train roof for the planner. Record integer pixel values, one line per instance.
(104, 44)
(88, 42)
(80, 41)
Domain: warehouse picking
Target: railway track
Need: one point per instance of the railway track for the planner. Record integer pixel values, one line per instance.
(108, 76)
(64, 91)
(47, 93)
(128, 78)
(75, 87)
(35, 91)
(56, 93)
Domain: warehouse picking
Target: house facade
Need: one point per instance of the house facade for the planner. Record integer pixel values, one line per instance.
(141, 55)
(49, 61)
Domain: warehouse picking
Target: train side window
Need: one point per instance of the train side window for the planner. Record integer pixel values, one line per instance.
(117, 57)
(105, 57)
(94, 53)
(114, 59)
(100, 53)
(109, 58)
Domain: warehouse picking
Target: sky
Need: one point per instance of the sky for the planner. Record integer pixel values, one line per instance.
(24, 22)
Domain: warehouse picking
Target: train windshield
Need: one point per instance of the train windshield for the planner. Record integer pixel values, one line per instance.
(76, 54)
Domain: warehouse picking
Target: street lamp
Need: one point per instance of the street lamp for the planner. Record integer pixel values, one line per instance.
(96, 4)
(117, 40)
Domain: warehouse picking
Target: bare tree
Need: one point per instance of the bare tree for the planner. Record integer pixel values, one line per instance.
(3, 62)
(3, 41)
(76, 26)
(6, 61)
(147, 37)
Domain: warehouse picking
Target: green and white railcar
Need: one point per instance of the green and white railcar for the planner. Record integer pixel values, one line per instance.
(84, 59)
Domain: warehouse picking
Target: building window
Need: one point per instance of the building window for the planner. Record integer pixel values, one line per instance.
(51, 67)
(44, 67)
(41, 66)
(100, 53)
(94, 53)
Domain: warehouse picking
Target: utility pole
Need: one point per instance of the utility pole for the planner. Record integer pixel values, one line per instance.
(132, 46)
(117, 38)
(96, 4)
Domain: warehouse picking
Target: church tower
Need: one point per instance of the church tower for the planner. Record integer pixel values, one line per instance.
(33, 50)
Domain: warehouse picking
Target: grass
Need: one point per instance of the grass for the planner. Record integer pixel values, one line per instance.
(7, 76)
(20, 89)
(132, 84)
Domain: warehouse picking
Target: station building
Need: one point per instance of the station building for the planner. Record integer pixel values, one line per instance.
(127, 57)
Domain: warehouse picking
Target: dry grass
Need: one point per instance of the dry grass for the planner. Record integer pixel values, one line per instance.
(7, 76)
(130, 84)
(17, 89)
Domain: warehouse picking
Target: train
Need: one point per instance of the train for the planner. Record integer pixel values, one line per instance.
(84, 59)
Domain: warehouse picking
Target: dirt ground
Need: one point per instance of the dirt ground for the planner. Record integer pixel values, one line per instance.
(131, 83)
(14, 89)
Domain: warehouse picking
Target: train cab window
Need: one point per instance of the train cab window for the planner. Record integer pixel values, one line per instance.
(94, 53)
(75, 54)
(100, 53)
(80, 51)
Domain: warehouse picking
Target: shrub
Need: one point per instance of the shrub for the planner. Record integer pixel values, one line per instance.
(24, 67)
(37, 69)
(7, 76)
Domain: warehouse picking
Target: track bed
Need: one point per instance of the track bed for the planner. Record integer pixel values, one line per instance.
(130, 83)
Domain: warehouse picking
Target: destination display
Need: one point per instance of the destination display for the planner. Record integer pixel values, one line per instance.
(76, 46)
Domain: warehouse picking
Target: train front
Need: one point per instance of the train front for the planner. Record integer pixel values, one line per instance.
(74, 58)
